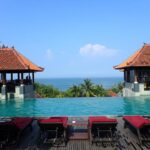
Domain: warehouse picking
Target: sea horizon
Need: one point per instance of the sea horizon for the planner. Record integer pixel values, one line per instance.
(63, 83)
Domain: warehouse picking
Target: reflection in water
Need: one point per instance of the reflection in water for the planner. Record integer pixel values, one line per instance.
(18, 107)
(137, 106)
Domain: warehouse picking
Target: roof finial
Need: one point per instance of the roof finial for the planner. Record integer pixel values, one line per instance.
(144, 43)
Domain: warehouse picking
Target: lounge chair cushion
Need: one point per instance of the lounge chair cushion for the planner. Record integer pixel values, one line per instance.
(101, 119)
(137, 121)
(62, 120)
(21, 123)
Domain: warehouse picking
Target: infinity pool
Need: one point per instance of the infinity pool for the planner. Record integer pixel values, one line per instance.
(75, 106)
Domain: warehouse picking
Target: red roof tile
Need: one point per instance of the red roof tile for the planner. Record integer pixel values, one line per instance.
(140, 58)
(12, 60)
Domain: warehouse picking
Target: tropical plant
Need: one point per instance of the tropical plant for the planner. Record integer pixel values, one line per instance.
(46, 90)
(75, 91)
(100, 91)
(117, 88)
(87, 88)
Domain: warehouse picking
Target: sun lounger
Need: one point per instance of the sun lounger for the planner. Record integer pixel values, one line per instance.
(53, 130)
(140, 125)
(12, 128)
(102, 129)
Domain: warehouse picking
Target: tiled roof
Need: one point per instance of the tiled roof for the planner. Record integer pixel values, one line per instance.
(140, 58)
(12, 60)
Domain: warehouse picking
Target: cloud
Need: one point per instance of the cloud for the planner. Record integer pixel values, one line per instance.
(49, 54)
(97, 50)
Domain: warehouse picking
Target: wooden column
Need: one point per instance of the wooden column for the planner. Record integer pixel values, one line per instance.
(29, 76)
(11, 77)
(124, 75)
(33, 77)
(18, 74)
(21, 77)
(4, 78)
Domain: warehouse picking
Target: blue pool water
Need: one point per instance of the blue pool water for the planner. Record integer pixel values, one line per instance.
(76, 106)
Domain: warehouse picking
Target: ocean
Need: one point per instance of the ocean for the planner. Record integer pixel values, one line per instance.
(65, 83)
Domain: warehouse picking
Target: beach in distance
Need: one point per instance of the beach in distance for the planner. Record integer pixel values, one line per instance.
(65, 83)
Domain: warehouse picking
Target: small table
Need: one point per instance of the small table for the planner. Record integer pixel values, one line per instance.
(78, 130)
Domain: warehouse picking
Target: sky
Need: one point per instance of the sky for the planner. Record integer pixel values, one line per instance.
(75, 38)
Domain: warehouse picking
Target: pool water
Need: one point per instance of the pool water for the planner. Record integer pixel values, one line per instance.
(75, 106)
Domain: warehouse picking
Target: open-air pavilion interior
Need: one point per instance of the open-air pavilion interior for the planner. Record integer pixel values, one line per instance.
(16, 74)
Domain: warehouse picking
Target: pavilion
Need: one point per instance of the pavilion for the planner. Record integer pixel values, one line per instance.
(16, 74)
(137, 73)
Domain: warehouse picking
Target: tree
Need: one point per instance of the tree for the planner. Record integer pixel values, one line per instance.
(46, 90)
(100, 91)
(75, 91)
(87, 88)
(117, 88)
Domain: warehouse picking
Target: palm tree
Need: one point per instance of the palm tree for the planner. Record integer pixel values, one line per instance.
(75, 91)
(87, 88)
(99, 90)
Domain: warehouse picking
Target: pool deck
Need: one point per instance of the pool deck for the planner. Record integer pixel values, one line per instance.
(126, 141)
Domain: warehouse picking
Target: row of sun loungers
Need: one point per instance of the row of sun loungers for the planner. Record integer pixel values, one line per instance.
(54, 129)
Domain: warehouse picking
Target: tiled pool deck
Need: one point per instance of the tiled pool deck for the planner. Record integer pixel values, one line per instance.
(126, 141)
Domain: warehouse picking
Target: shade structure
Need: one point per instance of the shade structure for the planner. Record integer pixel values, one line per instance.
(140, 58)
(13, 61)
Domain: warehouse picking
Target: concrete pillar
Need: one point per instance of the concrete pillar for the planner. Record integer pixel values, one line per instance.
(4, 92)
(135, 76)
(22, 89)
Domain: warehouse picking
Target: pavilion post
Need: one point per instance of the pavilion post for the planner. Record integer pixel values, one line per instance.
(29, 76)
(11, 77)
(21, 77)
(125, 75)
(33, 77)
(18, 75)
(4, 78)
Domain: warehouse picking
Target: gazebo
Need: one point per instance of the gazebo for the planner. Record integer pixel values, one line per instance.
(137, 73)
(16, 74)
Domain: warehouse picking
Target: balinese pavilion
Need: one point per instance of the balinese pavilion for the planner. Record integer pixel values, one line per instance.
(137, 73)
(16, 74)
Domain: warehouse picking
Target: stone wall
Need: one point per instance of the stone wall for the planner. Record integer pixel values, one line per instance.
(135, 89)
(22, 91)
